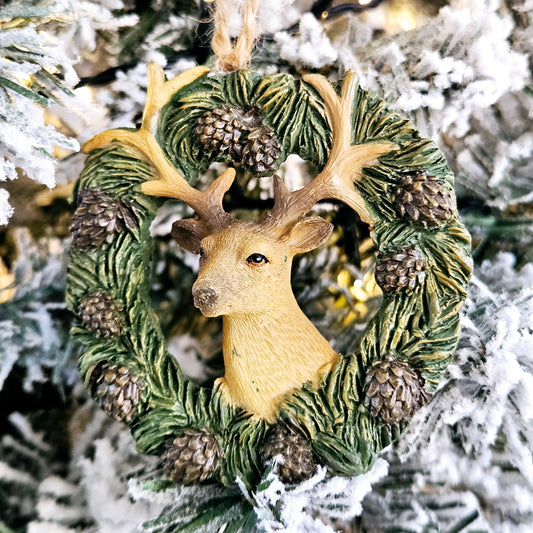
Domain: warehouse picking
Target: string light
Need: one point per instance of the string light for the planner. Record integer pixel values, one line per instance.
(25, 79)
(84, 93)
(7, 279)
(406, 20)
(356, 291)
(402, 16)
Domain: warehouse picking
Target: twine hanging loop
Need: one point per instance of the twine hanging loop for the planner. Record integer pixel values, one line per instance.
(231, 57)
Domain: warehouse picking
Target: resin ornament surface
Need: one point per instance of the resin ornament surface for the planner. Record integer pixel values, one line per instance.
(285, 390)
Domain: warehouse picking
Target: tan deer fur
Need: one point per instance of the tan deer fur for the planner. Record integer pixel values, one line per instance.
(270, 347)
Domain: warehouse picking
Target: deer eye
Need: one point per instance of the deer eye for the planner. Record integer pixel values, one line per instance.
(257, 260)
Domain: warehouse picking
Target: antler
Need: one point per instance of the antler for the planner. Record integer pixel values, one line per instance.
(344, 167)
(207, 204)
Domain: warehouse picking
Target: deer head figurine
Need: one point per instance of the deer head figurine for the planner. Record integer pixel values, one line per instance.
(270, 347)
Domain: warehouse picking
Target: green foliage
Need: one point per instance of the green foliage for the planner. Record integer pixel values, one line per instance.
(29, 51)
(34, 323)
(341, 430)
(291, 107)
(209, 511)
(153, 26)
(208, 508)
(424, 508)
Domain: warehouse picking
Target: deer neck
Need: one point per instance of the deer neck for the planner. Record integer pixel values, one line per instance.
(269, 355)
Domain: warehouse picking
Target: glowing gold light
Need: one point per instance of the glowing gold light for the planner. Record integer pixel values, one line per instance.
(406, 20)
(84, 93)
(366, 288)
(402, 16)
(52, 119)
(356, 293)
(7, 280)
(24, 79)
(343, 278)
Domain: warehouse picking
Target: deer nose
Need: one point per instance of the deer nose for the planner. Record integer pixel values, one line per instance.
(204, 296)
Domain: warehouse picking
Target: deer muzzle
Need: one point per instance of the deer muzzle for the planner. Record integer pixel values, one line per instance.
(204, 297)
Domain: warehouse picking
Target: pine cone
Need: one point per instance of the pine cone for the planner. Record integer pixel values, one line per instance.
(404, 270)
(424, 198)
(193, 457)
(98, 218)
(241, 134)
(117, 390)
(394, 391)
(298, 464)
(261, 150)
(221, 129)
(101, 314)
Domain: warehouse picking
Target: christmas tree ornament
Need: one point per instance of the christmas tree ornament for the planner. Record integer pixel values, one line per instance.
(261, 150)
(284, 391)
(222, 128)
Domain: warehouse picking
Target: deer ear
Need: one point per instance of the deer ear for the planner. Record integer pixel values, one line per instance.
(308, 234)
(188, 234)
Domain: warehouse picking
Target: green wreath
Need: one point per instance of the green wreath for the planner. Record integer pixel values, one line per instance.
(364, 402)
